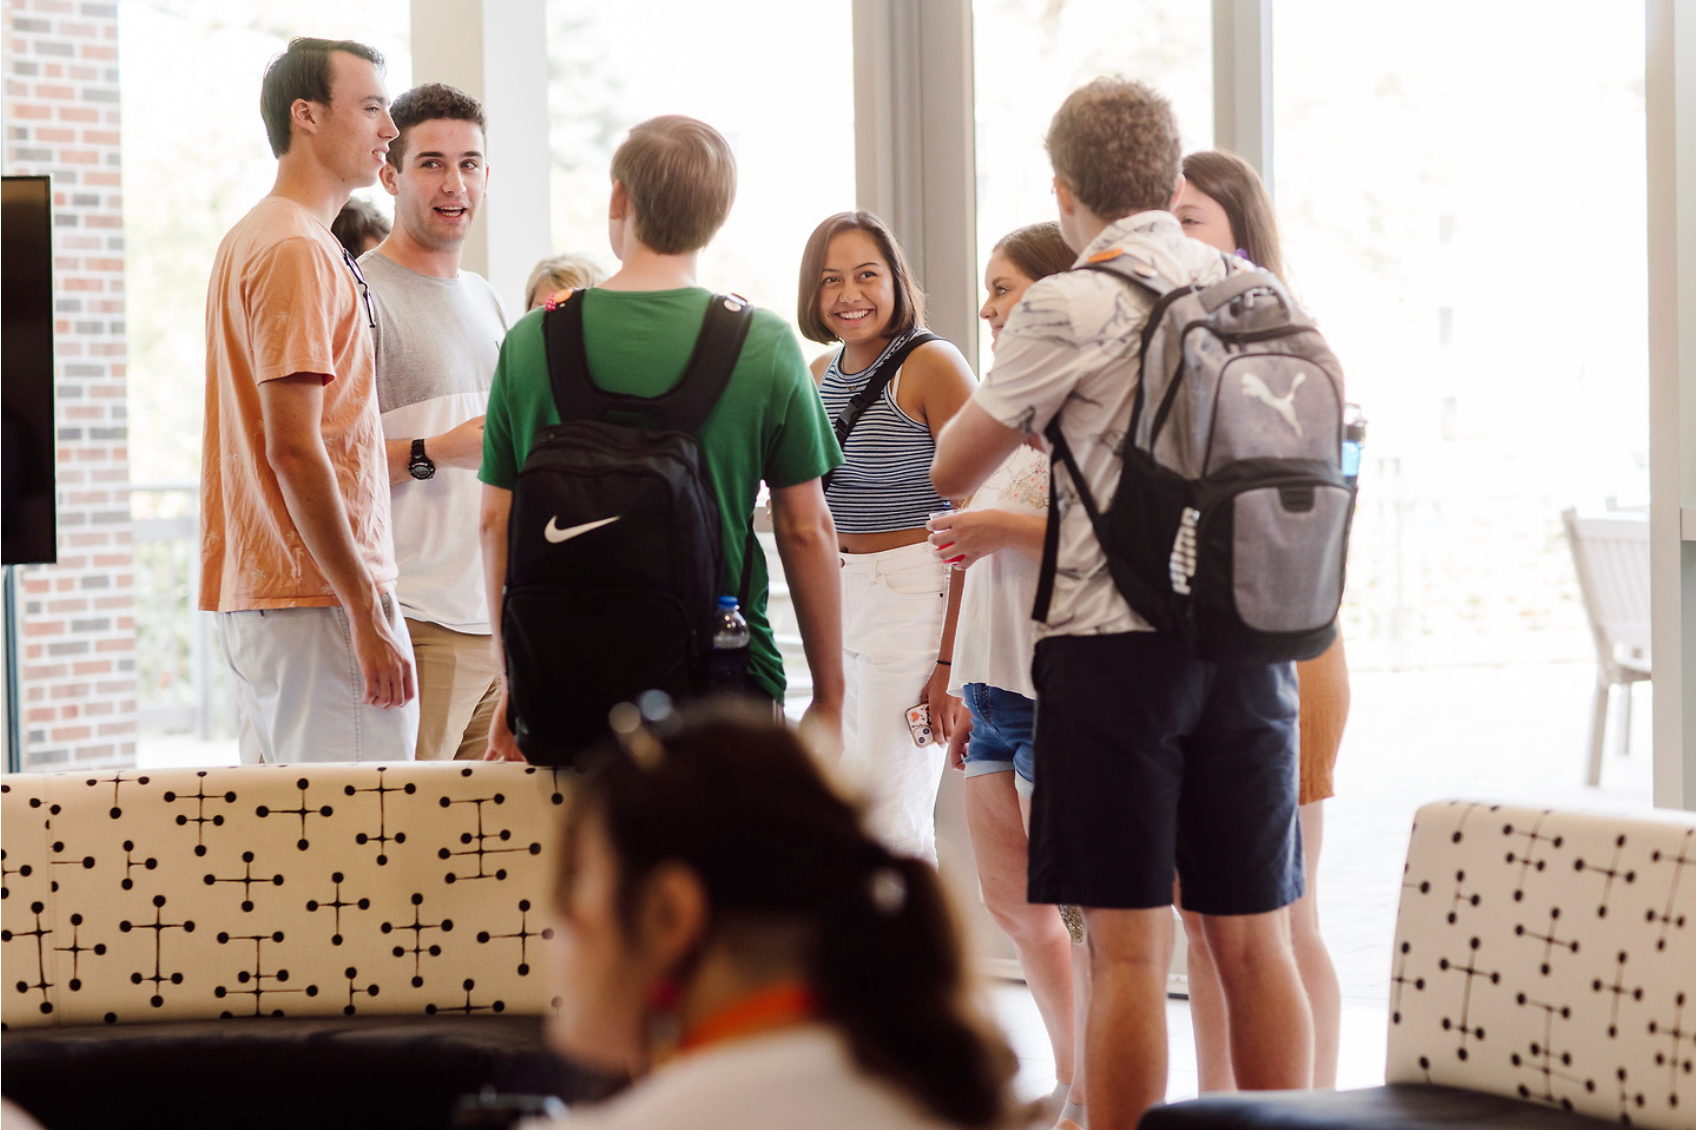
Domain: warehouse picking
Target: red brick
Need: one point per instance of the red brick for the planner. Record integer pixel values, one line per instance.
(92, 667)
(66, 114)
(55, 92)
(71, 733)
(42, 113)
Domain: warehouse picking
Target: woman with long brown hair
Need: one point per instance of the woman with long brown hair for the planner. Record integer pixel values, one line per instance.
(729, 933)
(1224, 204)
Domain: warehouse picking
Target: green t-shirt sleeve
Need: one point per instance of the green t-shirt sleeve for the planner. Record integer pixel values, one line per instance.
(801, 445)
(500, 460)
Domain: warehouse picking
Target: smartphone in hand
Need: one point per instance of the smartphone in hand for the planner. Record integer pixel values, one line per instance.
(918, 722)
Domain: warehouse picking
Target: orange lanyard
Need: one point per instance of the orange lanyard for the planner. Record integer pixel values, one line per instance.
(776, 1007)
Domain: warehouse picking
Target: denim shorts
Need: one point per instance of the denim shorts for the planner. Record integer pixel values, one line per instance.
(1003, 734)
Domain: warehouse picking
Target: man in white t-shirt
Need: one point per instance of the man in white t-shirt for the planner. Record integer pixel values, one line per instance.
(1149, 761)
(438, 335)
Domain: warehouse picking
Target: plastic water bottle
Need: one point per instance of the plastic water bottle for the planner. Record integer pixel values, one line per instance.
(1354, 438)
(728, 666)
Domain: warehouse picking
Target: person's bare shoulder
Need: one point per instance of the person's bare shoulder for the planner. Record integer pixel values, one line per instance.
(819, 365)
(937, 362)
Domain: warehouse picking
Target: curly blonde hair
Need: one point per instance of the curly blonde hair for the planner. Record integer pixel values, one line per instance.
(1115, 144)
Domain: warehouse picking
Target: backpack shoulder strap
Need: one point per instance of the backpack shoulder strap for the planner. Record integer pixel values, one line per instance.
(1132, 269)
(1059, 452)
(575, 395)
(689, 403)
(867, 396)
(686, 406)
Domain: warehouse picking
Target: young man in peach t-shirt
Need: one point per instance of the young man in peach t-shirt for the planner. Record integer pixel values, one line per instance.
(296, 552)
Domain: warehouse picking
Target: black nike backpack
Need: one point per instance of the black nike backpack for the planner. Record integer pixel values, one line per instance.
(614, 554)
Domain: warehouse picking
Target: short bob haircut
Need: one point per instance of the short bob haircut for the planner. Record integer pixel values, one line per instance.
(428, 103)
(303, 71)
(1115, 144)
(1036, 250)
(1233, 183)
(909, 312)
(680, 176)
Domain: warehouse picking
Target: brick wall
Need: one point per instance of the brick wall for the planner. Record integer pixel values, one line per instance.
(77, 640)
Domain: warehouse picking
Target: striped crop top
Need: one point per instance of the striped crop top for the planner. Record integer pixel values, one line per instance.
(884, 481)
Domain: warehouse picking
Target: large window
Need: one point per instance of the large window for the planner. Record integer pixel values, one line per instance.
(1465, 216)
(1029, 54)
(775, 77)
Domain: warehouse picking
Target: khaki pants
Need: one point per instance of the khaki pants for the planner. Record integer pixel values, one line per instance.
(458, 687)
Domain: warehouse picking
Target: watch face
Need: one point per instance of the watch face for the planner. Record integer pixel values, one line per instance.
(423, 469)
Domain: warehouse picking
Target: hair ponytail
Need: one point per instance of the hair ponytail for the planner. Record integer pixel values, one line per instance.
(742, 804)
(889, 973)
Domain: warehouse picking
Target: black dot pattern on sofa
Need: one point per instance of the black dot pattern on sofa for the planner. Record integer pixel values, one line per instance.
(262, 891)
(1549, 957)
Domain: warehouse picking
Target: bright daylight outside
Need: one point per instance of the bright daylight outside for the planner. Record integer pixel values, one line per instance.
(1464, 216)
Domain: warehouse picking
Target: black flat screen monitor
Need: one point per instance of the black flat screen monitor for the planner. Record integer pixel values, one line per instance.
(28, 512)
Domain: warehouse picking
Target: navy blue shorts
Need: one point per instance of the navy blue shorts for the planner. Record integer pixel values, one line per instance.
(1153, 761)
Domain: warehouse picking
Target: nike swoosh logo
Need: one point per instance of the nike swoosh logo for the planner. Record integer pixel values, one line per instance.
(555, 535)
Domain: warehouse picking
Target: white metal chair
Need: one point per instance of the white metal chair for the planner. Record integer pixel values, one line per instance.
(1611, 553)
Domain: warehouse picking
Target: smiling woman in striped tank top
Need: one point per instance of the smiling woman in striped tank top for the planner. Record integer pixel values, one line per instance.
(897, 609)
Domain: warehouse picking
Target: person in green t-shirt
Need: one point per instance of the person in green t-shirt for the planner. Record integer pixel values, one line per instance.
(673, 182)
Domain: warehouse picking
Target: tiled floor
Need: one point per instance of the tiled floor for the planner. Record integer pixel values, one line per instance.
(1362, 1061)
(1516, 734)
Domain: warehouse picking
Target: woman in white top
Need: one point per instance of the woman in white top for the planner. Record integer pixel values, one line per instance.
(998, 541)
(730, 935)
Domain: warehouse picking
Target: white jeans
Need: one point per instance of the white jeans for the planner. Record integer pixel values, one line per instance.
(892, 609)
(298, 688)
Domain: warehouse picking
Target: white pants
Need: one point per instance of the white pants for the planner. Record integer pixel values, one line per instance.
(298, 688)
(892, 609)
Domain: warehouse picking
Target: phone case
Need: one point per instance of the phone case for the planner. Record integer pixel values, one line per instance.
(918, 721)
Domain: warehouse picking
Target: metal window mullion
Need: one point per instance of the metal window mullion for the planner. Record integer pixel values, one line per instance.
(1242, 81)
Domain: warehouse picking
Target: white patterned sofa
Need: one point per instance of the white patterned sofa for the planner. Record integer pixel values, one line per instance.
(325, 945)
(1544, 975)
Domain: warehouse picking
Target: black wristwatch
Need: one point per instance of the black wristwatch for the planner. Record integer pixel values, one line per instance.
(420, 466)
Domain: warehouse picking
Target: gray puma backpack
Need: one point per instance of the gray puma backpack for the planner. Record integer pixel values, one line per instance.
(1230, 524)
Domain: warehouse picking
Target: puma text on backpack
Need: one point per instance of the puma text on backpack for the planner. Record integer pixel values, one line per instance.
(614, 554)
(1230, 523)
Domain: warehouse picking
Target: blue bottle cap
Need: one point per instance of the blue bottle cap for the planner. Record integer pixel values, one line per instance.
(728, 602)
